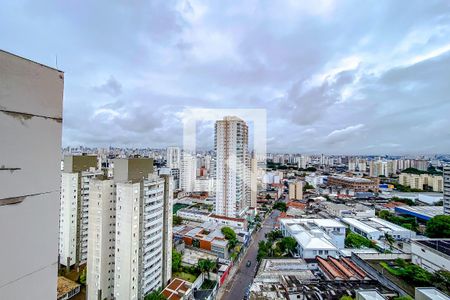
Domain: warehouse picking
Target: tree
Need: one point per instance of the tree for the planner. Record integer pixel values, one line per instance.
(274, 235)
(288, 244)
(268, 197)
(264, 250)
(281, 206)
(230, 235)
(345, 297)
(438, 227)
(155, 295)
(354, 240)
(206, 266)
(441, 280)
(176, 260)
(308, 186)
(82, 277)
(389, 239)
(177, 220)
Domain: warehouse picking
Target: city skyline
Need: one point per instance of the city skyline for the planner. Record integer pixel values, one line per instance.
(202, 150)
(331, 80)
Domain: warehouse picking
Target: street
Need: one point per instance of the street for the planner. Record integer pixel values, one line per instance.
(235, 289)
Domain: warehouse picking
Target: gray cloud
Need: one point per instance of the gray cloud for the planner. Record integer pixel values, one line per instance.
(111, 87)
(332, 81)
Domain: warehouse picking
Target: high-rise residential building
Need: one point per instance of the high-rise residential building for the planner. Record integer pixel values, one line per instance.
(74, 208)
(296, 190)
(254, 183)
(102, 235)
(352, 165)
(130, 231)
(188, 172)
(447, 190)
(362, 166)
(420, 164)
(381, 168)
(232, 167)
(167, 232)
(30, 135)
(303, 161)
(173, 157)
(68, 219)
(415, 181)
(142, 231)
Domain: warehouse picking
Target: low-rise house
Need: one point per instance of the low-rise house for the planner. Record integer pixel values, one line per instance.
(315, 237)
(346, 210)
(194, 214)
(376, 228)
(178, 289)
(67, 288)
(228, 221)
(208, 237)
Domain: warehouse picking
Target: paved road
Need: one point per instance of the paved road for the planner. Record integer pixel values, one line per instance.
(237, 286)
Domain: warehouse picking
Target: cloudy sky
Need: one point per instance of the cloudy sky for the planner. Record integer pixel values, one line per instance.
(362, 77)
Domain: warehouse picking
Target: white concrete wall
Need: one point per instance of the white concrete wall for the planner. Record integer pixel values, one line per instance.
(30, 152)
(428, 259)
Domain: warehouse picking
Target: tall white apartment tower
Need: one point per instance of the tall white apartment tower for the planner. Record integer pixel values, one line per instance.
(173, 157)
(102, 235)
(188, 172)
(254, 182)
(232, 167)
(143, 235)
(30, 150)
(74, 208)
(68, 219)
(447, 190)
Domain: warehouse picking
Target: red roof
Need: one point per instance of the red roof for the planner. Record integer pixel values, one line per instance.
(296, 204)
(176, 289)
(393, 204)
(227, 218)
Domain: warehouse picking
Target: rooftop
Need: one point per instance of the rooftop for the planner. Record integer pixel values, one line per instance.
(176, 289)
(373, 225)
(440, 245)
(227, 218)
(274, 270)
(352, 179)
(425, 212)
(431, 293)
(370, 295)
(65, 285)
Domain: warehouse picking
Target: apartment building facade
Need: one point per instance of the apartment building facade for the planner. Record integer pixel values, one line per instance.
(447, 190)
(101, 245)
(233, 190)
(74, 208)
(139, 259)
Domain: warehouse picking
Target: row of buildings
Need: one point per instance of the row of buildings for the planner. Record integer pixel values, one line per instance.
(416, 181)
(121, 226)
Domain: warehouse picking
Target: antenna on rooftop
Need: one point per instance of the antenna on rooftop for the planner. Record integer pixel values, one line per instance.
(56, 60)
